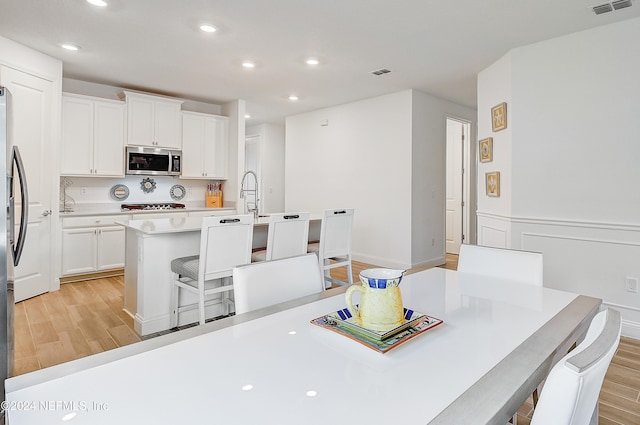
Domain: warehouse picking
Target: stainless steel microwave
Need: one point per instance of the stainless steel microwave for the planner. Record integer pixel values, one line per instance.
(153, 161)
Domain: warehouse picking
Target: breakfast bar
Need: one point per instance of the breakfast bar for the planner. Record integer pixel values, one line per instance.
(150, 247)
(498, 340)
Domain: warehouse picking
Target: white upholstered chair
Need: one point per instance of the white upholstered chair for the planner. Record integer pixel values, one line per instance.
(225, 242)
(288, 235)
(570, 394)
(334, 248)
(266, 283)
(523, 266)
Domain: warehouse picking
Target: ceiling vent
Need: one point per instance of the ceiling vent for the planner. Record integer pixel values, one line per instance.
(380, 71)
(603, 8)
(608, 7)
(621, 4)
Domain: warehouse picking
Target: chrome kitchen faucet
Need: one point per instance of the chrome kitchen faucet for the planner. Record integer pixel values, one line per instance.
(254, 210)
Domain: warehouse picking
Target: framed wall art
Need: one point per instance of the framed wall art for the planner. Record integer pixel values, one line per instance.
(499, 116)
(486, 149)
(493, 183)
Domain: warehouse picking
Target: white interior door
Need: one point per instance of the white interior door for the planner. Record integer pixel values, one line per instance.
(31, 128)
(454, 215)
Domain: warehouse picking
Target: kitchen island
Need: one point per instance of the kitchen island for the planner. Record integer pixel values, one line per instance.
(150, 247)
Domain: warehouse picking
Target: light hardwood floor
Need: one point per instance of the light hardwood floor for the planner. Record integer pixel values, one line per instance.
(86, 317)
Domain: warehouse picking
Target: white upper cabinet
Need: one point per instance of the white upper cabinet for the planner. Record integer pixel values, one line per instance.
(205, 146)
(153, 120)
(93, 132)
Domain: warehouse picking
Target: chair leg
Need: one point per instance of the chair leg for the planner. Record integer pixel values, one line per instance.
(173, 314)
(201, 303)
(350, 272)
(327, 272)
(225, 295)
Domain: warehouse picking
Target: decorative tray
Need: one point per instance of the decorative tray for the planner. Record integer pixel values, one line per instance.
(343, 323)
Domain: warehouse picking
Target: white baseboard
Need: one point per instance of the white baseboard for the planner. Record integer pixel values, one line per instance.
(631, 329)
(630, 326)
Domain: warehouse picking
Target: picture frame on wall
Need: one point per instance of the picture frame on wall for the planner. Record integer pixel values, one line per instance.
(499, 116)
(486, 149)
(493, 183)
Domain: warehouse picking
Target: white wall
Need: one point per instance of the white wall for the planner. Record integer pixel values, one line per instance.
(272, 157)
(428, 181)
(494, 87)
(91, 193)
(575, 137)
(384, 157)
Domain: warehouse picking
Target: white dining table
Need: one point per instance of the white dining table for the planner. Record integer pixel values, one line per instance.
(497, 342)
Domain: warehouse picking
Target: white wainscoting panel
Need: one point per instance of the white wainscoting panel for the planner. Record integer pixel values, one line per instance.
(494, 231)
(587, 258)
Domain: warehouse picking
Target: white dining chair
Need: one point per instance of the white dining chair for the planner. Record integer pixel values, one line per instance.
(570, 394)
(225, 242)
(523, 266)
(287, 236)
(334, 248)
(266, 283)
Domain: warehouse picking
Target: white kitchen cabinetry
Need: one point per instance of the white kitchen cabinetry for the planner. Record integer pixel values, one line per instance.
(153, 120)
(205, 146)
(92, 244)
(92, 136)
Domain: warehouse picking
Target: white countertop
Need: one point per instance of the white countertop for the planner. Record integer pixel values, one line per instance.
(172, 225)
(281, 368)
(183, 224)
(112, 208)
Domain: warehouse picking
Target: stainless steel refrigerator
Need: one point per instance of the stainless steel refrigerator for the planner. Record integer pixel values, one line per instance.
(11, 245)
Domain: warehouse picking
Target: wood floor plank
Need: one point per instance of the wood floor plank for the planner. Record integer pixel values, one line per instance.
(104, 344)
(617, 415)
(123, 335)
(623, 375)
(53, 353)
(25, 365)
(620, 390)
(44, 332)
(35, 310)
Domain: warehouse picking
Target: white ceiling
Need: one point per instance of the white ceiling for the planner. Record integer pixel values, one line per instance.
(156, 46)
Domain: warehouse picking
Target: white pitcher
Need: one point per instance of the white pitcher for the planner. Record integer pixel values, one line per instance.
(380, 307)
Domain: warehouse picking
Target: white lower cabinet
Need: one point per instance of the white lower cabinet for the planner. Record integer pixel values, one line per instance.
(92, 244)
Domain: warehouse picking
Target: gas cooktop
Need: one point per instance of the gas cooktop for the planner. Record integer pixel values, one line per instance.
(157, 206)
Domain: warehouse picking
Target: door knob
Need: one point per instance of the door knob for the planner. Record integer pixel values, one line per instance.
(46, 213)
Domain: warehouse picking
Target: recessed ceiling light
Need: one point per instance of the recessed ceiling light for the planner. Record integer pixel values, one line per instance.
(99, 3)
(247, 64)
(208, 28)
(69, 46)
(293, 97)
(312, 61)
